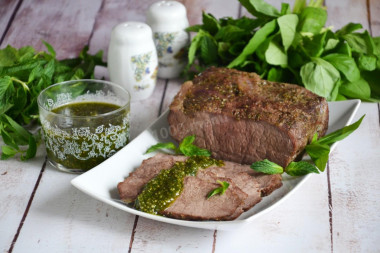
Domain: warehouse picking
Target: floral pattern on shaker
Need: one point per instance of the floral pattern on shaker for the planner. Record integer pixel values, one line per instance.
(140, 65)
(164, 42)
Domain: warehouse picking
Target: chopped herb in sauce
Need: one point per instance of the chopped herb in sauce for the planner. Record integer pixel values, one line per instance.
(82, 143)
(163, 190)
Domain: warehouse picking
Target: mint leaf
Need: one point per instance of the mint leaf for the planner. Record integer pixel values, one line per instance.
(220, 190)
(267, 167)
(340, 134)
(7, 152)
(300, 168)
(158, 146)
(319, 153)
(188, 149)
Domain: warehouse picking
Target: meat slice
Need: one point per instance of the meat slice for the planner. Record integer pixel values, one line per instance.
(131, 187)
(242, 118)
(193, 204)
(244, 192)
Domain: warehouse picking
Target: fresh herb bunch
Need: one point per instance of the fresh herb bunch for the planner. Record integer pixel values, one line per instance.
(318, 150)
(24, 73)
(291, 46)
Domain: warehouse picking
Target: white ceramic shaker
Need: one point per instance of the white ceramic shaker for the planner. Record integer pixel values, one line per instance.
(132, 59)
(168, 21)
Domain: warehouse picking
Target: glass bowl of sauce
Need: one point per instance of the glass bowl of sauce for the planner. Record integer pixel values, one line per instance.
(84, 122)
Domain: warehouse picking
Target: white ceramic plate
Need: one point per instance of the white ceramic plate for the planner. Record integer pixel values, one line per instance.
(101, 181)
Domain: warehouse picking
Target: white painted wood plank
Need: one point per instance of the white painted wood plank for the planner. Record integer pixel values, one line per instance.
(375, 17)
(63, 219)
(17, 181)
(153, 236)
(7, 8)
(340, 13)
(355, 177)
(65, 24)
(300, 224)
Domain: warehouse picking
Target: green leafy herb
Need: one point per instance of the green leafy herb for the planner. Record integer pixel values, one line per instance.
(318, 150)
(24, 73)
(300, 168)
(292, 47)
(219, 190)
(267, 167)
(186, 147)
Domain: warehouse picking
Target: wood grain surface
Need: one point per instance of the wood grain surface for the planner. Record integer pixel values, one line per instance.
(40, 211)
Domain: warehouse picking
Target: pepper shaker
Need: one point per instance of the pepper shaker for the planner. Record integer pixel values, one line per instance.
(168, 21)
(132, 59)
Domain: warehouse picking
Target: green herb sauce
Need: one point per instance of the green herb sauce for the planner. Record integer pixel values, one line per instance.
(163, 190)
(82, 143)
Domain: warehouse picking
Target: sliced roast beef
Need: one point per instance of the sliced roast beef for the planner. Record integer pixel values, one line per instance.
(246, 188)
(244, 119)
(193, 204)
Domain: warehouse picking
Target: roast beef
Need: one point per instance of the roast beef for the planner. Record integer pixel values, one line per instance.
(242, 118)
(246, 188)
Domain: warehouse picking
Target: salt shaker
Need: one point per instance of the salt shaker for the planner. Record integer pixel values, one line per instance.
(168, 21)
(132, 59)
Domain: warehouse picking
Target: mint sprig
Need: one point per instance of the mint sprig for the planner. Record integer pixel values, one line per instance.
(186, 147)
(219, 190)
(24, 73)
(318, 150)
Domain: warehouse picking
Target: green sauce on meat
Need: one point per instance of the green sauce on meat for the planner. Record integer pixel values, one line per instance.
(163, 190)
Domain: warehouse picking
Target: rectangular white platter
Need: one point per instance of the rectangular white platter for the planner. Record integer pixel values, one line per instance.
(101, 182)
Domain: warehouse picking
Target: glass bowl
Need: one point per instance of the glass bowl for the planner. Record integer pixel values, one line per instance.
(84, 122)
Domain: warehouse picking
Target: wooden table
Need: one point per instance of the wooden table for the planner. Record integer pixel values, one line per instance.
(337, 211)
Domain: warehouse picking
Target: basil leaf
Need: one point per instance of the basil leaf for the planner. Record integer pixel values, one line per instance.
(361, 43)
(320, 77)
(259, 8)
(276, 55)
(158, 146)
(314, 46)
(258, 38)
(288, 24)
(340, 134)
(344, 64)
(367, 62)
(300, 168)
(312, 20)
(349, 28)
(267, 167)
(220, 190)
(356, 89)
